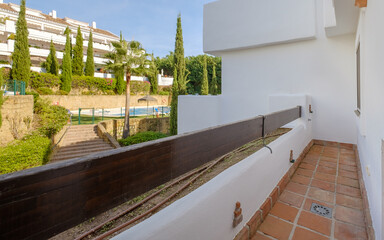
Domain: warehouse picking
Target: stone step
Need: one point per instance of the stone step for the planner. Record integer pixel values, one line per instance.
(79, 140)
(74, 155)
(84, 149)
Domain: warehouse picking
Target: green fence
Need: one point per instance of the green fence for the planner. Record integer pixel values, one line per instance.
(15, 86)
(95, 115)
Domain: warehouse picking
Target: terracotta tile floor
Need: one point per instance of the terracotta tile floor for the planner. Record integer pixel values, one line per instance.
(327, 176)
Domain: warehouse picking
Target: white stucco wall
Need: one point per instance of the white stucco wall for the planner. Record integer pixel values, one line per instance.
(371, 121)
(207, 213)
(198, 112)
(256, 23)
(323, 68)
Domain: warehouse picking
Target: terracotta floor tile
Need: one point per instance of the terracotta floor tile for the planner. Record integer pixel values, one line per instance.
(348, 156)
(350, 215)
(346, 231)
(276, 228)
(260, 236)
(348, 201)
(301, 179)
(312, 161)
(308, 204)
(348, 181)
(328, 159)
(328, 164)
(347, 162)
(284, 211)
(327, 186)
(348, 168)
(304, 234)
(297, 188)
(327, 170)
(349, 174)
(307, 166)
(325, 177)
(316, 149)
(347, 151)
(304, 172)
(321, 195)
(291, 199)
(315, 222)
(350, 191)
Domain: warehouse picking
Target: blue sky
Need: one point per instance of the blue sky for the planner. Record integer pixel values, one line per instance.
(152, 22)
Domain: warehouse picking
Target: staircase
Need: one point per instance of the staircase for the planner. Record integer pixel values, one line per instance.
(80, 140)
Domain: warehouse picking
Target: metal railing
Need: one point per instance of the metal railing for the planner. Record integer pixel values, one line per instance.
(15, 86)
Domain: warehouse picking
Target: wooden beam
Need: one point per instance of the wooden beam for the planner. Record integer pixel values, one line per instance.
(361, 3)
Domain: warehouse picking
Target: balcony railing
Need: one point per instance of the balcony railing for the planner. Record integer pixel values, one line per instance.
(40, 202)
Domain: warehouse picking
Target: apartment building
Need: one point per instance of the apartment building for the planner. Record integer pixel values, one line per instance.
(46, 27)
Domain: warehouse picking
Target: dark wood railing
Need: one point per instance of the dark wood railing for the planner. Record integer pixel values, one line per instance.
(41, 202)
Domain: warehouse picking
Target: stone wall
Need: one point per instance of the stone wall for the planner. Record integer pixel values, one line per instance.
(101, 101)
(17, 113)
(137, 125)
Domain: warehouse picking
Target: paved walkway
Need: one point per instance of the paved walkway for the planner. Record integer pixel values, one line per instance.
(327, 176)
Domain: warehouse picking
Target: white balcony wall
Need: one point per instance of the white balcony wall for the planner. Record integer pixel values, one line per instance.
(207, 212)
(10, 26)
(322, 67)
(164, 81)
(370, 122)
(240, 24)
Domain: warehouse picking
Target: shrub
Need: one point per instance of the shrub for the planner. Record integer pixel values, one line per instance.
(138, 87)
(44, 91)
(141, 137)
(52, 118)
(29, 152)
(164, 93)
(61, 92)
(6, 73)
(40, 80)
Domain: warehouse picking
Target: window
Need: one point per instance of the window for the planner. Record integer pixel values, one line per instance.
(358, 80)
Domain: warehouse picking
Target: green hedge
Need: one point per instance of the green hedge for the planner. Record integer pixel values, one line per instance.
(142, 137)
(94, 83)
(43, 80)
(29, 152)
(43, 83)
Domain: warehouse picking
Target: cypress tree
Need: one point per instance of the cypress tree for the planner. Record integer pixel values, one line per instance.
(90, 64)
(174, 103)
(66, 76)
(179, 86)
(213, 88)
(52, 64)
(21, 59)
(77, 62)
(204, 84)
(179, 60)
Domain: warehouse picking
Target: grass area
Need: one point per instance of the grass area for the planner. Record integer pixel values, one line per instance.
(88, 119)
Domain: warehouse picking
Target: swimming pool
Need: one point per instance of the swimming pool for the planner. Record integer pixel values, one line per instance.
(120, 112)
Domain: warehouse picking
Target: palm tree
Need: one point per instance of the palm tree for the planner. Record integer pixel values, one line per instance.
(130, 58)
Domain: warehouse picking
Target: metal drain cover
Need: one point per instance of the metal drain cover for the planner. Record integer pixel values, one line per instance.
(321, 210)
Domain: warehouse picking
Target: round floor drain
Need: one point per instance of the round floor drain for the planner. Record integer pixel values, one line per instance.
(321, 210)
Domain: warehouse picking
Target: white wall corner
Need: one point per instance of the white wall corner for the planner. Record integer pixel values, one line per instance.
(329, 13)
